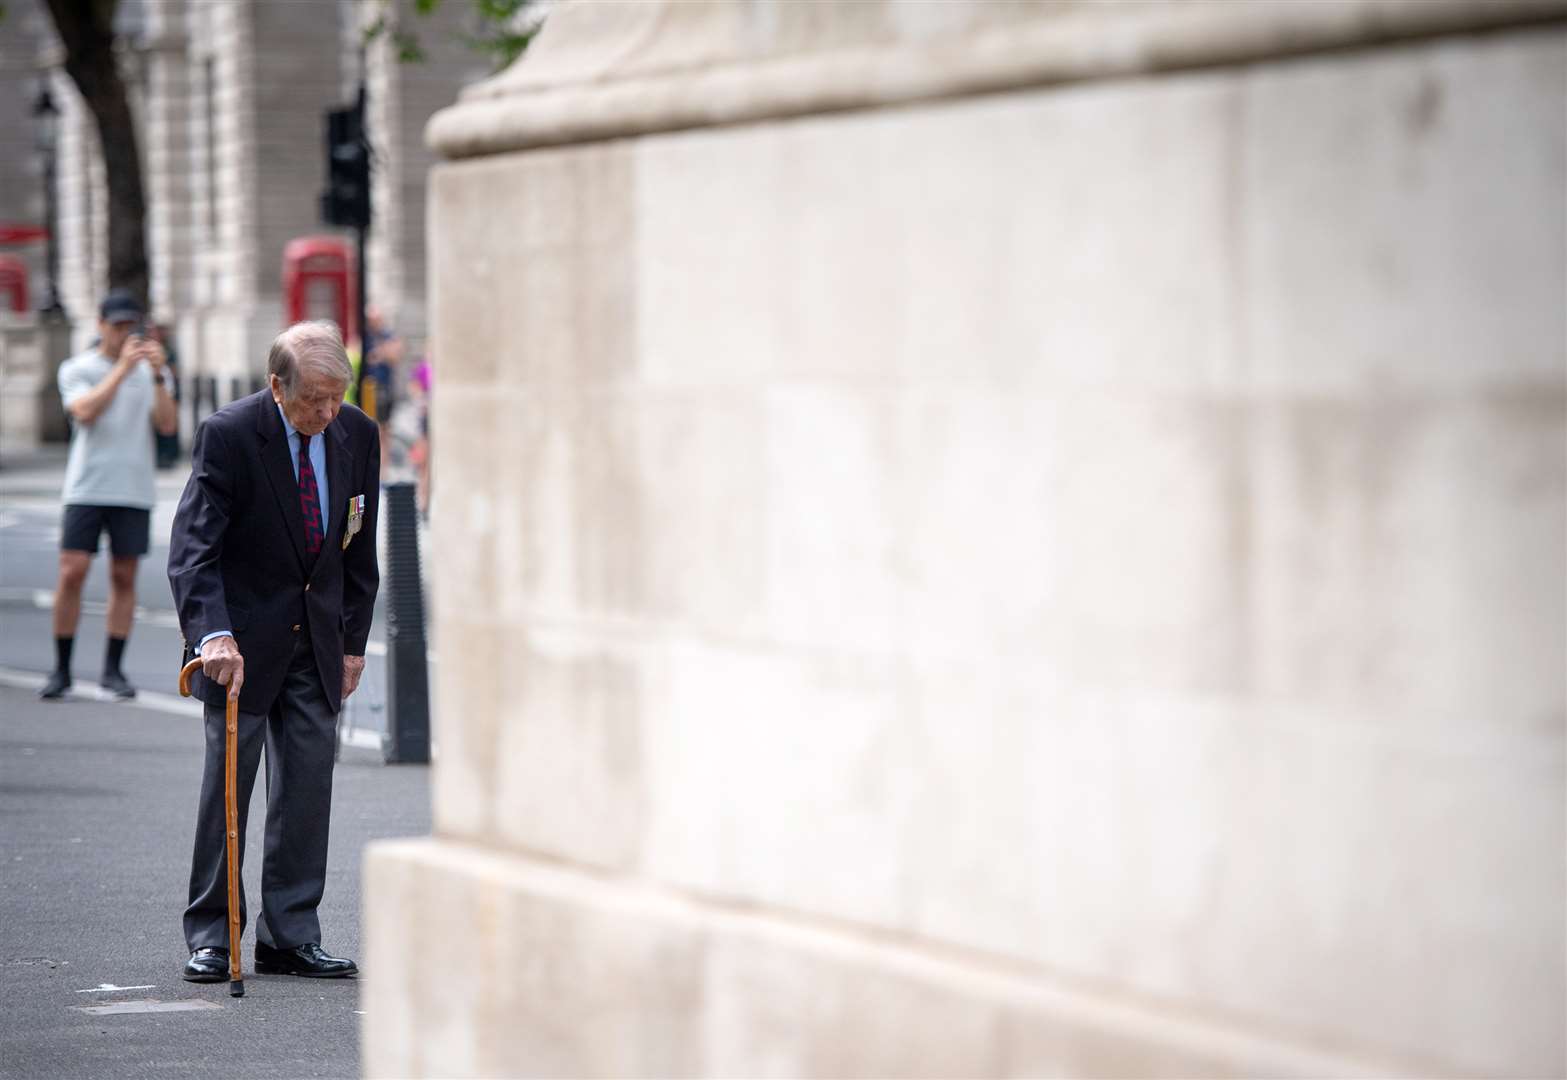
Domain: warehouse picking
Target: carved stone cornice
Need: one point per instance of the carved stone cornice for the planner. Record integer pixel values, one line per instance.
(616, 68)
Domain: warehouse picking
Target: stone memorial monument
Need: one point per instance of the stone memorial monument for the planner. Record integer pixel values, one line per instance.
(995, 539)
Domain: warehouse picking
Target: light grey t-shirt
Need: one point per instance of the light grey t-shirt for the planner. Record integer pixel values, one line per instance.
(111, 462)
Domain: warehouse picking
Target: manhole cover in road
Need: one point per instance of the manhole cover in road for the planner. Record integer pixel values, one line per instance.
(146, 1005)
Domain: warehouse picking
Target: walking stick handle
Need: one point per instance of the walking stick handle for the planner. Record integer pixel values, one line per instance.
(185, 673)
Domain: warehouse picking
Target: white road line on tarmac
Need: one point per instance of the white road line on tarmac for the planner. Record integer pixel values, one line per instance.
(110, 988)
(148, 1005)
(152, 701)
(144, 699)
(362, 738)
(21, 680)
(43, 600)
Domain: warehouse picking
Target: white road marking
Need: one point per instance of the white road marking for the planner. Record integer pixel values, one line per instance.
(22, 680)
(359, 738)
(144, 699)
(148, 1005)
(43, 600)
(108, 988)
(362, 738)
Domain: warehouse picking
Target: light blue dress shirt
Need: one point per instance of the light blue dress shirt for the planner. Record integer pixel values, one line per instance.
(318, 465)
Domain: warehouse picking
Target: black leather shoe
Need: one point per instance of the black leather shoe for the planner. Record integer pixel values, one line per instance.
(117, 685)
(309, 960)
(59, 682)
(207, 964)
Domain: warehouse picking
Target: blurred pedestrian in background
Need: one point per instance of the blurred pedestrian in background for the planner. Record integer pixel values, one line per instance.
(117, 394)
(408, 434)
(383, 351)
(419, 387)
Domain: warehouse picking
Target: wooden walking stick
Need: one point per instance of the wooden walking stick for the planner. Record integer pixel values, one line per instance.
(231, 822)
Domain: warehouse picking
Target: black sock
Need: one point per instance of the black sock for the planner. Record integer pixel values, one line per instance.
(111, 662)
(62, 653)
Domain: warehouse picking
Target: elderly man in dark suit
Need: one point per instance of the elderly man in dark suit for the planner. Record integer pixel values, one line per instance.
(273, 565)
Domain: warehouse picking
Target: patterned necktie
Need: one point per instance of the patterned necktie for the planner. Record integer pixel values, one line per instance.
(309, 499)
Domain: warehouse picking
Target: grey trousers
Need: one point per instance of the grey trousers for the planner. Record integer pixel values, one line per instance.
(300, 735)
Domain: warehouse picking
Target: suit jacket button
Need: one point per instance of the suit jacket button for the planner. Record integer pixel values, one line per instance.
(296, 628)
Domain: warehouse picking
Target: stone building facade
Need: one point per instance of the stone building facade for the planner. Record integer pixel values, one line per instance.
(1030, 543)
(230, 96)
(21, 171)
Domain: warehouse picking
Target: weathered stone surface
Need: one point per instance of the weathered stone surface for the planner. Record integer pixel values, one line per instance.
(618, 68)
(1111, 533)
(583, 975)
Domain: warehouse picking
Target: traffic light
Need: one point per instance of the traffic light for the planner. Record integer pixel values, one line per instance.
(346, 200)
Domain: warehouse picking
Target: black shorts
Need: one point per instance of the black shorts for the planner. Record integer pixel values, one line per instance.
(128, 529)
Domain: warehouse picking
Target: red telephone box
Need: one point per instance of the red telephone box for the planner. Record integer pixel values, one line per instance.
(13, 282)
(318, 282)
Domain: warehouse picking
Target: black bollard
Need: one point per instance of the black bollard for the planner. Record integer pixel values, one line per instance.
(407, 676)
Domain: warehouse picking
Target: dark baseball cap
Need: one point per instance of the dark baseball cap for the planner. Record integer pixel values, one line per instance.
(120, 306)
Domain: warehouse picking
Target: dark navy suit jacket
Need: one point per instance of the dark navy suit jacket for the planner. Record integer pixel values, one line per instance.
(237, 553)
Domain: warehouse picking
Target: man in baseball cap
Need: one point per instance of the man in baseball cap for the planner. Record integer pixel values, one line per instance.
(116, 394)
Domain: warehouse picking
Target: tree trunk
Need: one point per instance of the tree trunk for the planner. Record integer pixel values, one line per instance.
(86, 29)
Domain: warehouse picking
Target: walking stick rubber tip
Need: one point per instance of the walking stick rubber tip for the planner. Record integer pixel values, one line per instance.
(237, 988)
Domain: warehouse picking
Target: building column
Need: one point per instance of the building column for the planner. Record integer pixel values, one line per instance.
(166, 151)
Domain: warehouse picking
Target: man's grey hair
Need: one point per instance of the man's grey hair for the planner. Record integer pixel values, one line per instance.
(316, 345)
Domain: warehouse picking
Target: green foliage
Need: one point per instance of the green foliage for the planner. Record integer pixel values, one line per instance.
(495, 29)
(404, 41)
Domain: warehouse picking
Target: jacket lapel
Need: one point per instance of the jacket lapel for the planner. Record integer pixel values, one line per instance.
(280, 471)
(337, 462)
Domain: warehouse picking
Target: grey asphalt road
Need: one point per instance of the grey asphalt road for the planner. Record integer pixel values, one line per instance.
(97, 805)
